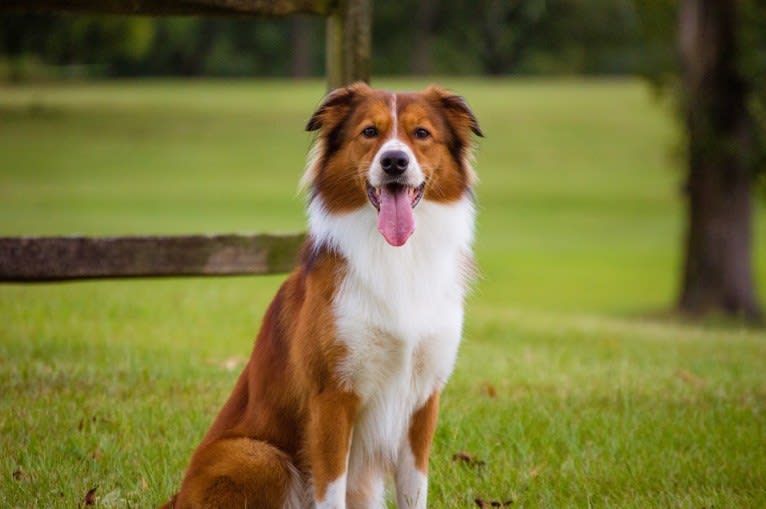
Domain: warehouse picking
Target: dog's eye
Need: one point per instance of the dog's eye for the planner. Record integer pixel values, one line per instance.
(370, 131)
(422, 133)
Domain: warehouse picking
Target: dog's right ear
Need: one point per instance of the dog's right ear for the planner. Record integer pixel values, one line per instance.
(335, 106)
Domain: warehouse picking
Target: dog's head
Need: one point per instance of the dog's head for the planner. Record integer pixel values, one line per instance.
(390, 151)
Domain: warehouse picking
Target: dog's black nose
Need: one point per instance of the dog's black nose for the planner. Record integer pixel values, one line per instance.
(394, 162)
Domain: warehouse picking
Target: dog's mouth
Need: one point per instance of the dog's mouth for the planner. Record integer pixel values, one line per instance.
(414, 194)
(395, 203)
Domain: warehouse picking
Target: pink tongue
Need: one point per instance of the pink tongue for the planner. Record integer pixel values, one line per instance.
(395, 219)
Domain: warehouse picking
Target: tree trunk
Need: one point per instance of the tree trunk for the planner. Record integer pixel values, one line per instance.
(718, 267)
(421, 56)
(302, 39)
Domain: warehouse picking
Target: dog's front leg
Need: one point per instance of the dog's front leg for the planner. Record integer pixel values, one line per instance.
(332, 416)
(412, 467)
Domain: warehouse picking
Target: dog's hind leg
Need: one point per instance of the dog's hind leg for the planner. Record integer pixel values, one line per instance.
(240, 473)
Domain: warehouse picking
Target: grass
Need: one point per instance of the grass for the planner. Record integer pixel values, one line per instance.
(569, 390)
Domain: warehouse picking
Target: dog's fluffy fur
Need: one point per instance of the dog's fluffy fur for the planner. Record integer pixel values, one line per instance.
(343, 383)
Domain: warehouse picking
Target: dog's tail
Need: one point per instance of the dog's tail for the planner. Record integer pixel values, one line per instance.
(240, 472)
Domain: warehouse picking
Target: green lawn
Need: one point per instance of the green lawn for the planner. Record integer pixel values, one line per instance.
(571, 389)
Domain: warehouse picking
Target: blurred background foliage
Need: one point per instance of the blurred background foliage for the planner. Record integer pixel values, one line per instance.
(409, 37)
(421, 37)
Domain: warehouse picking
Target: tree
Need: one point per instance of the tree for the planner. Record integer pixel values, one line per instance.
(721, 164)
(420, 60)
(506, 29)
(717, 80)
(302, 39)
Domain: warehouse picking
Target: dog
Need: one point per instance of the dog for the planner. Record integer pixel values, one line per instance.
(342, 387)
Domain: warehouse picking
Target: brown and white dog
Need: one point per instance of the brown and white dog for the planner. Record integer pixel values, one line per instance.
(343, 383)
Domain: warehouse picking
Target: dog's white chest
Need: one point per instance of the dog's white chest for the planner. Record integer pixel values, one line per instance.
(399, 314)
(405, 338)
(398, 352)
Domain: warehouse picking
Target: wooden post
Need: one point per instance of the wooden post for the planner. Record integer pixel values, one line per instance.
(348, 43)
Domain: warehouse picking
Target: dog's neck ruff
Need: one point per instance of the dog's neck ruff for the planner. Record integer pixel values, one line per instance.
(404, 291)
(443, 234)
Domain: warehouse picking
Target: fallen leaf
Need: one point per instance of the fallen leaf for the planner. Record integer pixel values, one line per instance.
(536, 470)
(144, 484)
(492, 503)
(231, 363)
(463, 456)
(19, 475)
(468, 459)
(690, 378)
(90, 497)
(489, 390)
(81, 425)
(96, 454)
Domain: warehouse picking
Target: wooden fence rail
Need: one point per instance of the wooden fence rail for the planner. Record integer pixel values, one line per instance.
(45, 259)
(175, 7)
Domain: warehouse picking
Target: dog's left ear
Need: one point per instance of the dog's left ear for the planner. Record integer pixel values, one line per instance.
(335, 106)
(455, 108)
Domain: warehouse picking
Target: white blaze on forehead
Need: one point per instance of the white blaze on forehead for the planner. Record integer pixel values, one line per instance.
(414, 174)
(394, 117)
